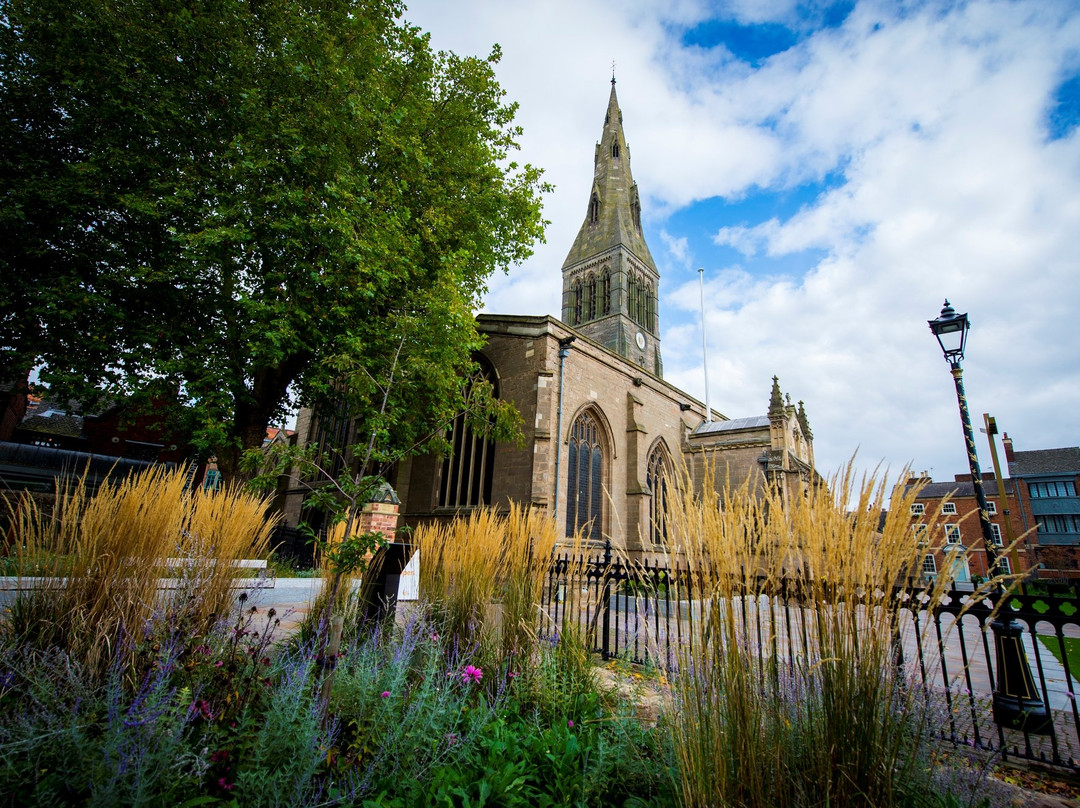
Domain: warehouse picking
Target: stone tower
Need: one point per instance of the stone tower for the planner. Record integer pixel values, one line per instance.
(609, 279)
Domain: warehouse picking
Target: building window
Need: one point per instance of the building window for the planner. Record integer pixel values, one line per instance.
(657, 479)
(594, 209)
(1065, 523)
(468, 470)
(948, 507)
(952, 534)
(1061, 488)
(991, 508)
(584, 483)
(920, 532)
(918, 509)
(603, 294)
(995, 531)
(575, 302)
(615, 150)
(929, 565)
(1004, 564)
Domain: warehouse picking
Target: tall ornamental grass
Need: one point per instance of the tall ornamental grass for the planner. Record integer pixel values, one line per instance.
(91, 572)
(484, 577)
(818, 714)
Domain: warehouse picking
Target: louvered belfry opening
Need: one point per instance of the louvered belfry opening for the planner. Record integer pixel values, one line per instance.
(585, 484)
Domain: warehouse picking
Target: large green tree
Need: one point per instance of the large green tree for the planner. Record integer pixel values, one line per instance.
(239, 200)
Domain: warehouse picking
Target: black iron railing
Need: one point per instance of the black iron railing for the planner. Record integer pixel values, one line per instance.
(643, 612)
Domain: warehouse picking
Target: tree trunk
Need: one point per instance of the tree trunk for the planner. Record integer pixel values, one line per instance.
(252, 411)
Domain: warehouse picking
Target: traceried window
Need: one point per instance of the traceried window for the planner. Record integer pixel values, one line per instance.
(468, 470)
(615, 150)
(594, 209)
(584, 483)
(657, 480)
(588, 305)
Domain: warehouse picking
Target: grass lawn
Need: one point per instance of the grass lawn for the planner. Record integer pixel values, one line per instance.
(1072, 650)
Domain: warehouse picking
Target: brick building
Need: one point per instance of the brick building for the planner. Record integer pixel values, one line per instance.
(946, 515)
(603, 431)
(1048, 479)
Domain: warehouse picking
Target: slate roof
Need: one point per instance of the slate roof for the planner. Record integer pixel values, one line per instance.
(713, 427)
(938, 490)
(52, 423)
(1046, 461)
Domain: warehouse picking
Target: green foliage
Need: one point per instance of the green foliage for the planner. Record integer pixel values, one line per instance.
(227, 202)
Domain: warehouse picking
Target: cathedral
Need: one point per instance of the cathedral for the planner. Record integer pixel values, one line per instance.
(603, 432)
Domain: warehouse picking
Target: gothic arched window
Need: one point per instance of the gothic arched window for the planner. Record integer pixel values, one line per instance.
(468, 469)
(635, 209)
(584, 479)
(656, 478)
(615, 150)
(589, 307)
(594, 209)
(632, 298)
(575, 302)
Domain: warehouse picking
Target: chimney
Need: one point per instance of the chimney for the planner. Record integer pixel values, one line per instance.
(1006, 441)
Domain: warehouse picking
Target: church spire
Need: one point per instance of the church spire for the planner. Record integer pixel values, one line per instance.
(609, 277)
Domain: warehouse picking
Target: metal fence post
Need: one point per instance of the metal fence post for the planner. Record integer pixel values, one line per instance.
(605, 602)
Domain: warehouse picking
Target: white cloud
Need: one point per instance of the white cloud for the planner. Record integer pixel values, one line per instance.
(930, 125)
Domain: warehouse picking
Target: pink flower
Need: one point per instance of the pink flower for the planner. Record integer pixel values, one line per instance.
(513, 675)
(225, 784)
(386, 694)
(570, 723)
(219, 756)
(472, 674)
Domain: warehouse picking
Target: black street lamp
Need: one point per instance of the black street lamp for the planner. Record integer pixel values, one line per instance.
(1017, 704)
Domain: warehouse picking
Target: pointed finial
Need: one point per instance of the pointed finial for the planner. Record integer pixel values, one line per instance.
(612, 72)
(804, 422)
(776, 400)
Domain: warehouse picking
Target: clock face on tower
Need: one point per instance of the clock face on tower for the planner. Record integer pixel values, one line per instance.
(640, 339)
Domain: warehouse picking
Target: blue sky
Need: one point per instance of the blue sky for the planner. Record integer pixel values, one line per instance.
(837, 169)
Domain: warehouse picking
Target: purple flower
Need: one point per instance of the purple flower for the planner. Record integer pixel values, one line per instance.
(225, 784)
(471, 673)
(386, 694)
(570, 723)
